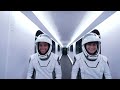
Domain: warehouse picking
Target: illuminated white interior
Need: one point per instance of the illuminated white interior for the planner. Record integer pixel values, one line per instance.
(47, 21)
(109, 24)
(86, 21)
(23, 20)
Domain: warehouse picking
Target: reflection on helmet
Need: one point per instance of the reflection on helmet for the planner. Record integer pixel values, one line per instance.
(43, 38)
(91, 37)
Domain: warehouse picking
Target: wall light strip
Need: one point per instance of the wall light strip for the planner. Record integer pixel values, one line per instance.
(47, 21)
(109, 24)
(90, 17)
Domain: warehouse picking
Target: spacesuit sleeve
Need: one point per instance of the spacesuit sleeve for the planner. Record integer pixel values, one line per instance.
(30, 70)
(107, 72)
(75, 68)
(58, 70)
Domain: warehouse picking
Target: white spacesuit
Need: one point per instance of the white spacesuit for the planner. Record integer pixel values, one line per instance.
(44, 65)
(91, 66)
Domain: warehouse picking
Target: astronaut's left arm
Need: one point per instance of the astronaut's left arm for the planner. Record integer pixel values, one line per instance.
(107, 72)
(58, 70)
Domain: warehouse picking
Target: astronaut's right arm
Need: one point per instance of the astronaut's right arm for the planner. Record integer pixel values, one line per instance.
(30, 70)
(75, 68)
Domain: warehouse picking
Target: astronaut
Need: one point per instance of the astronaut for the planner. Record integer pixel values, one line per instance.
(44, 61)
(91, 63)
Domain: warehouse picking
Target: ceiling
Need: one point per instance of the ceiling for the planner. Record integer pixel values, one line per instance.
(66, 27)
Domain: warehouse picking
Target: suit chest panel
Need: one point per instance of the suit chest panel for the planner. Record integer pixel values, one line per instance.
(47, 65)
(92, 71)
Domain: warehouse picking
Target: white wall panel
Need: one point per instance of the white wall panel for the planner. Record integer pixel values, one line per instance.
(4, 29)
(21, 45)
(17, 35)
